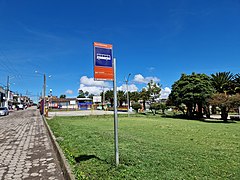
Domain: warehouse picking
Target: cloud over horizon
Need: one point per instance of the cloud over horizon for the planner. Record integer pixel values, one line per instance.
(69, 91)
(138, 78)
(96, 87)
(165, 92)
(93, 87)
(90, 82)
(131, 88)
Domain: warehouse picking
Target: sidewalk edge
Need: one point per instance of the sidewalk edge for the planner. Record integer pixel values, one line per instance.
(67, 173)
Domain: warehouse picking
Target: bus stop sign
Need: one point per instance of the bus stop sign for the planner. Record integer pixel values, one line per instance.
(103, 62)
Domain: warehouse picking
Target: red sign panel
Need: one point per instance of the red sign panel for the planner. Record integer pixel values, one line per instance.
(103, 62)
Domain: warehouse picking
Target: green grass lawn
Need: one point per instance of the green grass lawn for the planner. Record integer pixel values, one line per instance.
(150, 147)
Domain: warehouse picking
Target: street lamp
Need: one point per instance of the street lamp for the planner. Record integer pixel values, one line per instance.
(126, 80)
(44, 90)
(8, 90)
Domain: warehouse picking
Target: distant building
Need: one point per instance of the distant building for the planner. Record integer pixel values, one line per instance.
(69, 103)
(84, 103)
(2, 96)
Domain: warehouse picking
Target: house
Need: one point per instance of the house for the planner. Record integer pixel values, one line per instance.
(84, 103)
(61, 103)
(69, 103)
(2, 97)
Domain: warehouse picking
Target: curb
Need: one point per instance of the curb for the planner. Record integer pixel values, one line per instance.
(67, 174)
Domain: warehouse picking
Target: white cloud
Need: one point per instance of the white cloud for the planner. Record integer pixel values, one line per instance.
(151, 69)
(140, 79)
(90, 82)
(131, 87)
(92, 89)
(69, 91)
(165, 93)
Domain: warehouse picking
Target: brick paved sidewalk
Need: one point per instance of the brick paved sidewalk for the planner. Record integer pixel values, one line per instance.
(26, 151)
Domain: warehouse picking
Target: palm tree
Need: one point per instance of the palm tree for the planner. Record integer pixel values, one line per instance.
(236, 81)
(63, 96)
(121, 97)
(109, 96)
(222, 82)
(134, 96)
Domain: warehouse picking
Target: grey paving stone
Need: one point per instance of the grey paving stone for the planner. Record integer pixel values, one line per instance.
(25, 148)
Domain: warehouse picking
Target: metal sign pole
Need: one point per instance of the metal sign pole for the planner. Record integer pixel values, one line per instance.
(105, 69)
(115, 114)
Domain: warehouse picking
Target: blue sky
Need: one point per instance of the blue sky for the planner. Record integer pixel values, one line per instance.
(151, 39)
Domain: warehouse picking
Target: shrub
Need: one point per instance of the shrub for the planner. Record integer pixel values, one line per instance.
(136, 106)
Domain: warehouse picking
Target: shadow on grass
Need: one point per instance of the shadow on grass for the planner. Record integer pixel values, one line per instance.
(86, 158)
(124, 161)
(205, 120)
(219, 121)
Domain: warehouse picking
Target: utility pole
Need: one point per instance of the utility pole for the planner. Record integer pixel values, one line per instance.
(44, 93)
(103, 101)
(6, 102)
(126, 80)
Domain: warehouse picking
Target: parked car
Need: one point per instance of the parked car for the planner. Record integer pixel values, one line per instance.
(20, 106)
(4, 111)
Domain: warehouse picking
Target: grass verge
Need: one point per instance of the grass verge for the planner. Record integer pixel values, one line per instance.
(150, 147)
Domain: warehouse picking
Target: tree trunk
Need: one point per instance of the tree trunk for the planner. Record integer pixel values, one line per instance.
(200, 114)
(189, 111)
(144, 106)
(224, 114)
(120, 103)
(207, 111)
(153, 112)
(214, 110)
(111, 101)
(163, 111)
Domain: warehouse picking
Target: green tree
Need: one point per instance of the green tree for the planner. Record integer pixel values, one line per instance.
(86, 93)
(222, 101)
(163, 107)
(222, 82)
(90, 96)
(154, 107)
(109, 96)
(121, 97)
(235, 101)
(145, 95)
(63, 96)
(81, 94)
(154, 90)
(236, 81)
(150, 93)
(136, 106)
(225, 102)
(134, 96)
(192, 90)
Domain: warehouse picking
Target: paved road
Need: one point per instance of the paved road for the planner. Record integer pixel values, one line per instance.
(26, 151)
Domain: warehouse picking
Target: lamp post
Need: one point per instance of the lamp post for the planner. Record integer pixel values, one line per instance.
(44, 91)
(8, 90)
(50, 99)
(126, 80)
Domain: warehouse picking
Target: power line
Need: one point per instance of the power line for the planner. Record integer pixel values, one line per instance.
(8, 66)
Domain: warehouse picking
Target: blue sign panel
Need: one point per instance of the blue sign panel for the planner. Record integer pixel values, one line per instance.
(103, 57)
